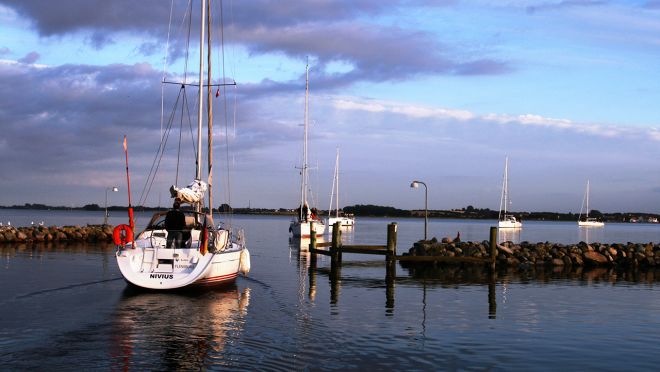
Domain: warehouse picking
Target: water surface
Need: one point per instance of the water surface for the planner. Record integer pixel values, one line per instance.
(66, 305)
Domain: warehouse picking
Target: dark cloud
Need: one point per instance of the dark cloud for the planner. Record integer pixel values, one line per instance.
(30, 58)
(325, 30)
(62, 128)
(564, 4)
(653, 4)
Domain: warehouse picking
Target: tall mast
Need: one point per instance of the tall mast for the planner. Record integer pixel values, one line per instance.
(303, 183)
(587, 198)
(209, 103)
(198, 173)
(505, 186)
(337, 178)
(334, 182)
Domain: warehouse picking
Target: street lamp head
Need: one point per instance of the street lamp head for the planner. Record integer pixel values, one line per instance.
(115, 189)
(414, 184)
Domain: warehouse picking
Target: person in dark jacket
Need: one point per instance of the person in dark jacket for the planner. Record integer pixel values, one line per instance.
(175, 223)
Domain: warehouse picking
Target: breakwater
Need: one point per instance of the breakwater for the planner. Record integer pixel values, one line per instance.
(88, 233)
(526, 254)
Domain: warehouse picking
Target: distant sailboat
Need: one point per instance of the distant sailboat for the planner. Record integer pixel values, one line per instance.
(506, 221)
(306, 216)
(344, 220)
(588, 221)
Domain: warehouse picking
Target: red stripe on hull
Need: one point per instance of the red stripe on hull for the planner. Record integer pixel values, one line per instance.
(217, 280)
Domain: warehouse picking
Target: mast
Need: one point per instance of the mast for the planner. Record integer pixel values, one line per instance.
(505, 187)
(209, 103)
(303, 183)
(337, 180)
(334, 182)
(200, 108)
(587, 197)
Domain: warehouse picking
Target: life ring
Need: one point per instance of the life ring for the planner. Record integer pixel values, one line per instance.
(122, 234)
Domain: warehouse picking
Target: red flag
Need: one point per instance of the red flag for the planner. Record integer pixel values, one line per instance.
(217, 92)
(125, 147)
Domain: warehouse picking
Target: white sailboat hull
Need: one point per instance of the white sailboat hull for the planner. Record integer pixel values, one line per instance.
(344, 221)
(509, 223)
(591, 223)
(302, 229)
(167, 268)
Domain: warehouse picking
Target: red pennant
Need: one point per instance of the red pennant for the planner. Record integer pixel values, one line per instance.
(217, 92)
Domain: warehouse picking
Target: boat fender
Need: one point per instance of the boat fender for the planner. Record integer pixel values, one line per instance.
(244, 262)
(122, 234)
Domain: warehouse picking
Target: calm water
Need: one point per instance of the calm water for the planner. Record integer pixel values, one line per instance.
(66, 306)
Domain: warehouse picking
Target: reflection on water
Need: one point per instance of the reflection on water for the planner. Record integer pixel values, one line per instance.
(508, 235)
(589, 234)
(176, 331)
(455, 275)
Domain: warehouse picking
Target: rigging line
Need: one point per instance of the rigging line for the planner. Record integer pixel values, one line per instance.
(233, 51)
(192, 134)
(187, 55)
(178, 152)
(156, 163)
(224, 101)
(165, 61)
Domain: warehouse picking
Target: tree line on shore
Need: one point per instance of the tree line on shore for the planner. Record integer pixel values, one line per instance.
(369, 210)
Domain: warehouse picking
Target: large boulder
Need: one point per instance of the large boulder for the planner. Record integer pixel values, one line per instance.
(594, 258)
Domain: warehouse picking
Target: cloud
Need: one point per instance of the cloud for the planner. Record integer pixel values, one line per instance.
(463, 116)
(652, 4)
(30, 58)
(268, 27)
(549, 6)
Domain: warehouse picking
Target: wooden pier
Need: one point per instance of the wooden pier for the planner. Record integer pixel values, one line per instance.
(336, 248)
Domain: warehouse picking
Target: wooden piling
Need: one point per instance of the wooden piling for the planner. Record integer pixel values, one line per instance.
(335, 248)
(493, 246)
(390, 257)
(391, 240)
(312, 246)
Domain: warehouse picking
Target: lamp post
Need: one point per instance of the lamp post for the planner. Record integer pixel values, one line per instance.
(414, 185)
(113, 189)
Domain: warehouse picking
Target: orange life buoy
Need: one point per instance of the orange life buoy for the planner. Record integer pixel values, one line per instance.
(122, 234)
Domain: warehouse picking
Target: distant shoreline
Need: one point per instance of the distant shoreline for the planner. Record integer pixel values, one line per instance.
(469, 213)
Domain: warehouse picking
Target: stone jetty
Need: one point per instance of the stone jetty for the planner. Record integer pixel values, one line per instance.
(88, 233)
(526, 254)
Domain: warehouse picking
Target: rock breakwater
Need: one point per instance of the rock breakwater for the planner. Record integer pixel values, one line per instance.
(526, 254)
(88, 233)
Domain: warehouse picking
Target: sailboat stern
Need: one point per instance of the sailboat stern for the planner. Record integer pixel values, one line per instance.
(165, 268)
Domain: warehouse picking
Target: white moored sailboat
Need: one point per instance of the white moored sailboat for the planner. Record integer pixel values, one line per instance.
(506, 221)
(343, 219)
(306, 216)
(207, 254)
(588, 221)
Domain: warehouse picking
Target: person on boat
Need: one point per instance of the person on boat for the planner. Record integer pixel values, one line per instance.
(175, 223)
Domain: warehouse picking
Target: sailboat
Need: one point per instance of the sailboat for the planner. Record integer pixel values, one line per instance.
(343, 219)
(208, 255)
(307, 218)
(506, 221)
(588, 221)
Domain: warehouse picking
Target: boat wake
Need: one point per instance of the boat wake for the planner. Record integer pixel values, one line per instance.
(43, 291)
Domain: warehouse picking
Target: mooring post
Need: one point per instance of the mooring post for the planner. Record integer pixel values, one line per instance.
(391, 241)
(312, 246)
(335, 248)
(493, 246)
(390, 257)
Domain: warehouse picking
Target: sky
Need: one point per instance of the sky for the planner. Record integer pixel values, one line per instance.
(437, 91)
